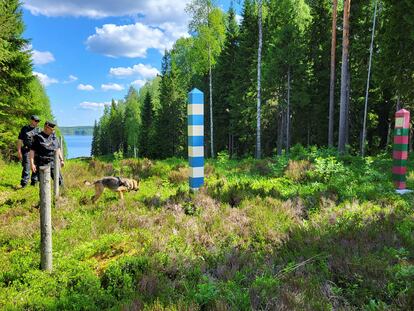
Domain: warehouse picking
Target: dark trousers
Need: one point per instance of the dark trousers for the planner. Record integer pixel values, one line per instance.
(52, 171)
(26, 170)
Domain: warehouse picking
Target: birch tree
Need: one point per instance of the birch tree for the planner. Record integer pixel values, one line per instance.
(259, 66)
(207, 25)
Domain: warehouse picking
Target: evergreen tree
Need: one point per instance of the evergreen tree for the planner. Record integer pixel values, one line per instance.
(145, 139)
(170, 120)
(243, 88)
(15, 76)
(225, 77)
(286, 70)
(95, 140)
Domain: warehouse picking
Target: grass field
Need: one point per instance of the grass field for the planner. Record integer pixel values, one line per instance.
(315, 232)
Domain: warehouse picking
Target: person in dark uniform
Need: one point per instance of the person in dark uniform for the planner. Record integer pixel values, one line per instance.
(43, 149)
(23, 150)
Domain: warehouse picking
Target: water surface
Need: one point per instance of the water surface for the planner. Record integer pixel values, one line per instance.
(78, 146)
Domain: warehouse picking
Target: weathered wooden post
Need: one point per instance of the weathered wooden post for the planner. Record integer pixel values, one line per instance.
(45, 219)
(56, 175)
(61, 147)
(400, 149)
(195, 111)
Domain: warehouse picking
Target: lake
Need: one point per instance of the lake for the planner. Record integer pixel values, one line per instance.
(78, 146)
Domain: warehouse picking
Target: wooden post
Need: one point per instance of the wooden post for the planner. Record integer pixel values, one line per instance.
(56, 175)
(400, 148)
(61, 147)
(195, 110)
(45, 219)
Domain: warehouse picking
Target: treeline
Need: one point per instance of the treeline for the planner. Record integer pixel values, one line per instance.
(76, 130)
(221, 57)
(21, 94)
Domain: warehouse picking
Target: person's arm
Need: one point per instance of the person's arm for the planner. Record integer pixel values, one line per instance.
(32, 164)
(19, 149)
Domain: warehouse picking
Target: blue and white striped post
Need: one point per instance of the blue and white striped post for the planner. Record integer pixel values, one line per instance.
(195, 111)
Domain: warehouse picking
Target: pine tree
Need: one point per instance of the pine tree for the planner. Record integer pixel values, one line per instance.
(343, 116)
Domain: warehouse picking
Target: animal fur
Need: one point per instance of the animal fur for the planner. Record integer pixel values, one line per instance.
(116, 184)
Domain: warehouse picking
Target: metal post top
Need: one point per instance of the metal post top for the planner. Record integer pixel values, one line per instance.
(195, 90)
(402, 112)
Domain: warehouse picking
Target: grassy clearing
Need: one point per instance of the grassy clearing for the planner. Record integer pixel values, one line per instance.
(315, 232)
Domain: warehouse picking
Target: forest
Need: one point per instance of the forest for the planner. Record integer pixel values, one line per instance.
(302, 95)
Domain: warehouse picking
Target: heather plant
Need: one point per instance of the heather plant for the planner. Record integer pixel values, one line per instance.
(311, 232)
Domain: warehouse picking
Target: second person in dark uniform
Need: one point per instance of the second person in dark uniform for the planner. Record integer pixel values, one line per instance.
(43, 150)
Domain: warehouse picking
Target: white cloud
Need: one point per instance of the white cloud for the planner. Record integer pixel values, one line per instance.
(133, 40)
(153, 11)
(141, 70)
(93, 105)
(85, 87)
(112, 86)
(138, 83)
(42, 58)
(44, 78)
(239, 19)
(71, 79)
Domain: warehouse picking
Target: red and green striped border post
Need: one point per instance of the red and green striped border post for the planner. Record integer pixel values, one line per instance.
(400, 148)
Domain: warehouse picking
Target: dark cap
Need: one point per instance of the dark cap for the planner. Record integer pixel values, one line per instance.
(51, 124)
(35, 117)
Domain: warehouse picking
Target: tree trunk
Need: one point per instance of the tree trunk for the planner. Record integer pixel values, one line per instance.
(259, 65)
(332, 80)
(280, 126)
(344, 79)
(348, 96)
(211, 102)
(364, 129)
(288, 114)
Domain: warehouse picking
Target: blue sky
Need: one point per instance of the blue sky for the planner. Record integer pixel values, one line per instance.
(86, 52)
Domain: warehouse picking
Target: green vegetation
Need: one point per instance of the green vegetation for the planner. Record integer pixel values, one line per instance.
(313, 232)
(76, 130)
(21, 94)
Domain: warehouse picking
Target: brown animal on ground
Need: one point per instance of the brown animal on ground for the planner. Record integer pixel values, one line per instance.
(116, 184)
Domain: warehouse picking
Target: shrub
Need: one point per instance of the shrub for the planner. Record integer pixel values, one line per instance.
(178, 176)
(297, 170)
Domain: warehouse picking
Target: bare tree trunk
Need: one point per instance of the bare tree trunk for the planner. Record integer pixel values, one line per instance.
(344, 78)
(364, 126)
(332, 80)
(288, 114)
(398, 107)
(280, 126)
(211, 102)
(259, 65)
(348, 98)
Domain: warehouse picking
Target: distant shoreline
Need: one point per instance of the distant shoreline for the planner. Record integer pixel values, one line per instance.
(77, 130)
